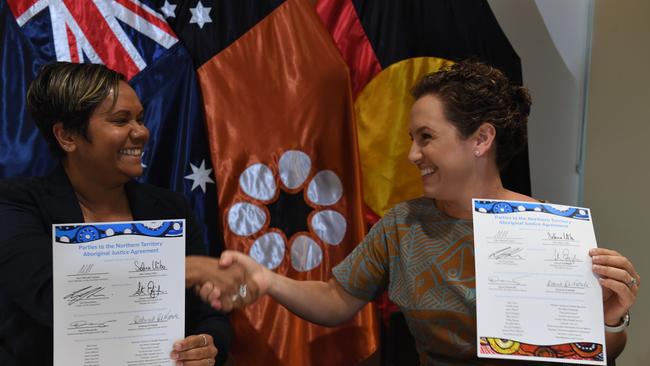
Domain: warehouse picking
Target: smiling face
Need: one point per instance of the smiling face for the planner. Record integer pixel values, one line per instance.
(445, 160)
(116, 138)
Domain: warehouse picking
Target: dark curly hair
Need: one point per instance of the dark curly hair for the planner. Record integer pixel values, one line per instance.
(473, 93)
(69, 93)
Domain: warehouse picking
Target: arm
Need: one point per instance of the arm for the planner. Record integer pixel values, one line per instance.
(615, 344)
(620, 283)
(324, 303)
(358, 278)
(25, 254)
(208, 331)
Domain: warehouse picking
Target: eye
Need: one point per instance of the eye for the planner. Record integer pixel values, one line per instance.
(120, 121)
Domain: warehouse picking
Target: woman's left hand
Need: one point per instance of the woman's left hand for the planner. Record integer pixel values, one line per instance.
(195, 350)
(619, 280)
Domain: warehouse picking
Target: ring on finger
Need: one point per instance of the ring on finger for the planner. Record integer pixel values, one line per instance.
(243, 290)
(205, 340)
(631, 282)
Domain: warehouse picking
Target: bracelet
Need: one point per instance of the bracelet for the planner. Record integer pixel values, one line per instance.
(625, 321)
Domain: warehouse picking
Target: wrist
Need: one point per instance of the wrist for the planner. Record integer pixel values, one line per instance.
(191, 273)
(619, 326)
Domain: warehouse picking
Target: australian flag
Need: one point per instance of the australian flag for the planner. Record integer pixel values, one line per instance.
(131, 37)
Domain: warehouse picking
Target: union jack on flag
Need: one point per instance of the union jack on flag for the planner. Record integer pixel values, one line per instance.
(92, 31)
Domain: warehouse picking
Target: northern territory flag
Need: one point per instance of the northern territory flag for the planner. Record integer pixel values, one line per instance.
(389, 45)
(280, 119)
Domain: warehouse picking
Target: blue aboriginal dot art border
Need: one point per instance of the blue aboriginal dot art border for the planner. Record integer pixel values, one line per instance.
(74, 234)
(500, 207)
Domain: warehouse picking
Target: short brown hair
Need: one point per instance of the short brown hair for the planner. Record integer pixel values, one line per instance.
(69, 93)
(473, 93)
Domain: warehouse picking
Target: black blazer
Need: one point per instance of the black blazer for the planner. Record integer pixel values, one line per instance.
(28, 208)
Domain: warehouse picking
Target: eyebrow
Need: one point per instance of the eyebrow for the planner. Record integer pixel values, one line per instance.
(125, 111)
(420, 129)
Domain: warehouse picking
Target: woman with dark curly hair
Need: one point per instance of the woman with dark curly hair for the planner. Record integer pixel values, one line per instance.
(467, 123)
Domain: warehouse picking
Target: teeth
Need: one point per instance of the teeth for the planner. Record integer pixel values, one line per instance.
(427, 171)
(131, 152)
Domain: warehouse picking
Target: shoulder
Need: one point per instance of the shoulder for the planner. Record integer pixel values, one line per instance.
(21, 189)
(153, 202)
(160, 193)
(415, 209)
(514, 196)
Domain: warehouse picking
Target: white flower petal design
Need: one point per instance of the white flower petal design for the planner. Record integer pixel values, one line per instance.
(153, 225)
(268, 250)
(325, 189)
(257, 181)
(305, 254)
(560, 207)
(294, 166)
(330, 226)
(245, 219)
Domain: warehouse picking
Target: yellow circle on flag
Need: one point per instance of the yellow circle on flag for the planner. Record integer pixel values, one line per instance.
(383, 111)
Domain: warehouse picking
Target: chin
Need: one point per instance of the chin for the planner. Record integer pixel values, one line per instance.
(132, 173)
(430, 193)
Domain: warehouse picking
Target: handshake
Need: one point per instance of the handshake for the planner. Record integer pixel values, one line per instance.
(230, 282)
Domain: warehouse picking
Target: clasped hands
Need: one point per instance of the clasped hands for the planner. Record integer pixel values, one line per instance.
(230, 282)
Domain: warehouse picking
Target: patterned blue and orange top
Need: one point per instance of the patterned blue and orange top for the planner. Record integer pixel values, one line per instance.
(425, 259)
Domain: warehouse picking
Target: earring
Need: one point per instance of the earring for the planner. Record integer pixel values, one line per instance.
(477, 153)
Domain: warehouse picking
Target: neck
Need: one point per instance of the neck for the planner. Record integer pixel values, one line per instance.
(485, 183)
(99, 201)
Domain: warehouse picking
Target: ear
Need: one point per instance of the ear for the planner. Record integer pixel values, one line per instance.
(66, 139)
(484, 137)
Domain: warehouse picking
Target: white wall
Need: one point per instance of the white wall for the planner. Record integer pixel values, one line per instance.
(617, 172)
(552, 39)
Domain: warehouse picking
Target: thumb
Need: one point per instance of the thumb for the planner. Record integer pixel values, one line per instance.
(228, 258)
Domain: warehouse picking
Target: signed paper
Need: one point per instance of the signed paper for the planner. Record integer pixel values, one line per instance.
(537, 298)
(119, 292)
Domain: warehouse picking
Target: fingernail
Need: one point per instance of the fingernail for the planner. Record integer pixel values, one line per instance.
(595, 258)
(595, 267)
(174, 356)
(178, 347)
(592, 251)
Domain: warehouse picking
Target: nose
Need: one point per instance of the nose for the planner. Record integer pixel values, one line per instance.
(415, 155)
(139, 132)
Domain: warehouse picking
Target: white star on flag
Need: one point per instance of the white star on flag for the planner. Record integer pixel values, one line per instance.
(200, 176)
(200, 15)
(169, 10)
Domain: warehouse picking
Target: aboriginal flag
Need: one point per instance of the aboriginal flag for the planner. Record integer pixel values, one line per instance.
(389, 45)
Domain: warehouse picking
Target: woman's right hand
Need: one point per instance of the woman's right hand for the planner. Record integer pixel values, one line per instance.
(257, 280)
